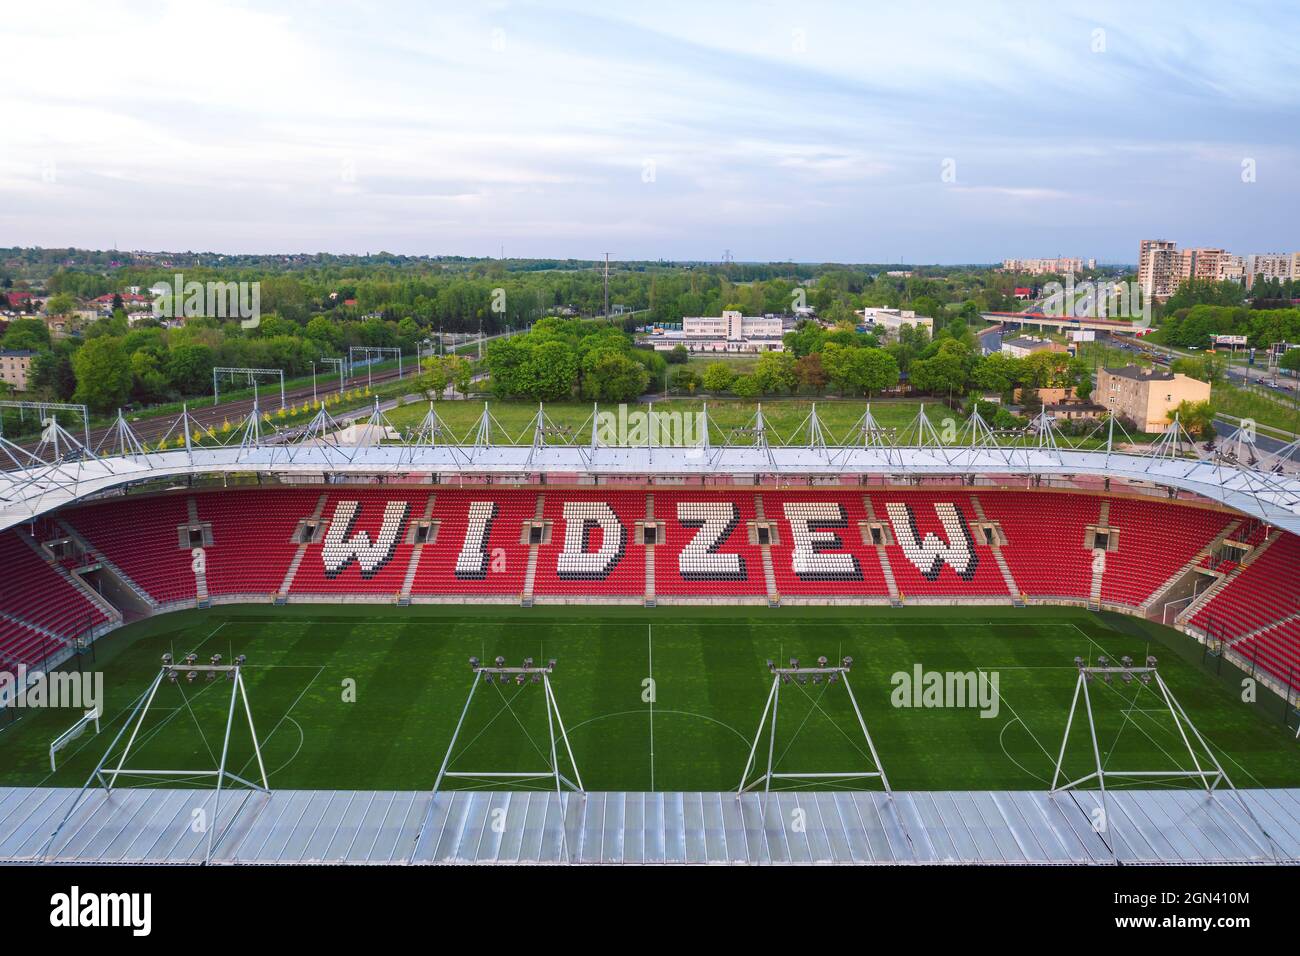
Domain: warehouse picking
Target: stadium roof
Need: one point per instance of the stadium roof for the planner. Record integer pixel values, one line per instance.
(61, 470)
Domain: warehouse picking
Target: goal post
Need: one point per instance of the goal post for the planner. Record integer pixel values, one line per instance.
(72, 733)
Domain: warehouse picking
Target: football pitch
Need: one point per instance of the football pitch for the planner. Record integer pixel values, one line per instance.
(367, 697)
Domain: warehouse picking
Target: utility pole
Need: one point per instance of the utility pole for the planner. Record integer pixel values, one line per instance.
(607, 285)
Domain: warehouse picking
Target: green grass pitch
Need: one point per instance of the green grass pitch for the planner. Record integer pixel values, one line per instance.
(411, 676)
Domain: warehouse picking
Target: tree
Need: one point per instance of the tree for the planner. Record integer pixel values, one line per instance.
(806, 339)
(941, 374)
(999, 373)
(52, 376)
(775, 372)
(718, 377)
(62, 304)
(879, 370)
(859, 371)
(678, 355)
(459, 372)
(811, 373)
(1197, 418)
(149, 382)
(610, 375)
(103, 373)
(30, 334)
(1206, 368)
(434, 378)
(685, 379)
(189, 368)
(325, 333)
(746, 386)
(550, 372)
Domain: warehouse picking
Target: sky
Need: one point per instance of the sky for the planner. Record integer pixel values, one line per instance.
(918, 132)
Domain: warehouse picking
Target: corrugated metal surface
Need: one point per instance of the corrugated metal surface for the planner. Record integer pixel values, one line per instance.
(837, 827)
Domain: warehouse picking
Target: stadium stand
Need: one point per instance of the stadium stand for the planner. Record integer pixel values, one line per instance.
(591, 549)
(141, 537)
(1055, 565)
(1276, 649)
(1263, 592)
(934, 552)
(821, 550)
(364, 548)
(478, 550)
(1155, 540)
(252, 536)
(41, 609)
(383, 542)
(704, 550)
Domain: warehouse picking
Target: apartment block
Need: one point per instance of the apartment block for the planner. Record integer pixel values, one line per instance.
(1158, 267)
(1145, 398)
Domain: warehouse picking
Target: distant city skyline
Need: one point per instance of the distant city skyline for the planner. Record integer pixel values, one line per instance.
(967, 133)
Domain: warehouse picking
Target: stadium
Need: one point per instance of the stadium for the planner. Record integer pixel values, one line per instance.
(880, 647)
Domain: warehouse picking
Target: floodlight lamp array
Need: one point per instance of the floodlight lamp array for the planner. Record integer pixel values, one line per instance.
(1107, 670)
(500, 672)
(823, 670)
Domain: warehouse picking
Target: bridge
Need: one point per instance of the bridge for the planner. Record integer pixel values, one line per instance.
(1063, 323)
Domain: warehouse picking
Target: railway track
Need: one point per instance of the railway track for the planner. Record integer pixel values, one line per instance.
(153, 428)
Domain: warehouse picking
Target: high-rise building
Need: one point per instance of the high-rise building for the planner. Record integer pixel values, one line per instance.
(1205, 264)
(1061, 265)
(1158, 266)
(1268, 265)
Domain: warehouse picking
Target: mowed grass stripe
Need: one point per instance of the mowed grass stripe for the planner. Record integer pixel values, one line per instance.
(410, 668)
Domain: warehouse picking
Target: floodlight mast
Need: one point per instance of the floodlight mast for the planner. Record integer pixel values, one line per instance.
(172, 671)
(529, 672)
(795, 673)
(1210, 773)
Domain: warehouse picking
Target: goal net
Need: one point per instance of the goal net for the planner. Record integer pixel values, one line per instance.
(73, 732)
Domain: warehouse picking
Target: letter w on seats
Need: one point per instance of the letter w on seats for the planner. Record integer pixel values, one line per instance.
(342, 547)
(929, 554)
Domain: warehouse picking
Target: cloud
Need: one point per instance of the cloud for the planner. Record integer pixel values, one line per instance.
(663, 130)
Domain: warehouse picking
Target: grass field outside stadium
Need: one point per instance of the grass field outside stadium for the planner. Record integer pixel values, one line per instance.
(409, 670)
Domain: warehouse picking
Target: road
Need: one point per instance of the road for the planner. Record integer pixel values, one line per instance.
(1263, 442)
(991, 339)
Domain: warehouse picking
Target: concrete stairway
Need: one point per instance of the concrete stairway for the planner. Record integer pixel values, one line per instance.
(650, 555)
(526, 599)
(1017, 598)
(1099, 560)
(282, 595)
(1217, 587)
(200, 569)
(895, 598)
(769, 576)
(103, 561)
(1190, 566)
(404, 598)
